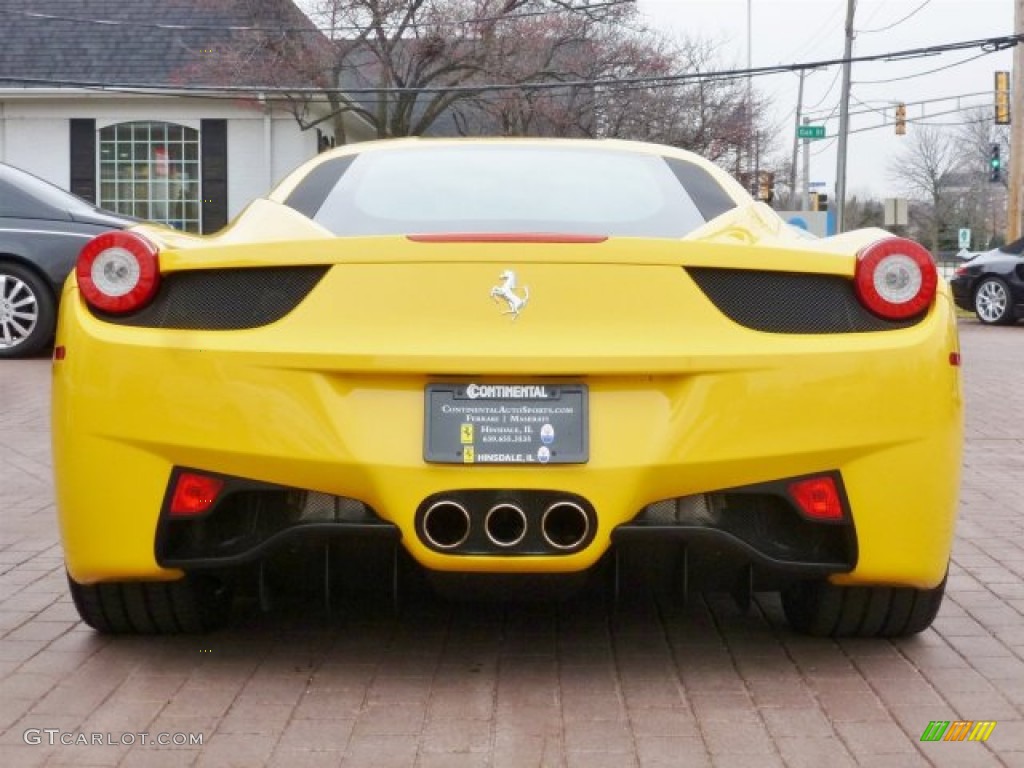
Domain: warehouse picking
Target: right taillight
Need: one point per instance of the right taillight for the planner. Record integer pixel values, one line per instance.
(118, 272)
(895, 278)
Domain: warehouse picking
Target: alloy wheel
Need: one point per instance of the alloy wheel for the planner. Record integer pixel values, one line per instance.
(991, 301)
(19, 311)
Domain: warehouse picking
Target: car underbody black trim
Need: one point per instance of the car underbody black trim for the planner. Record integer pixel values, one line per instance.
(251, 519)
(720, 533)
(761, 524)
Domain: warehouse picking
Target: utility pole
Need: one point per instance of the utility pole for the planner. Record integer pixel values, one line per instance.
(844, 117)
(805, 197)
(796, 139)
(755, 165)
(753, 181)
(1016, 179)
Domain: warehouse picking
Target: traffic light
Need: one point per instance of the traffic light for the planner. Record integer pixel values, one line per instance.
(901, 119)
(766, 187)
(819, 201)
(1002, 98)
(995, 164)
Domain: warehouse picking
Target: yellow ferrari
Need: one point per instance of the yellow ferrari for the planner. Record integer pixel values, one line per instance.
(514, 359)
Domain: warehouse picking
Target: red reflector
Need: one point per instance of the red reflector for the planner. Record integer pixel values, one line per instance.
(954, 359)
(59, 353)
(817, 498)
(195, 494)
(506, 237)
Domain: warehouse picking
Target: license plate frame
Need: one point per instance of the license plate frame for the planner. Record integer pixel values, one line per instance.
(506, 424)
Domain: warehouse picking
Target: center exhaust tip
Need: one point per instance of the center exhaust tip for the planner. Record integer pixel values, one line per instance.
(505, 525)
(446, 524)
(565, 525)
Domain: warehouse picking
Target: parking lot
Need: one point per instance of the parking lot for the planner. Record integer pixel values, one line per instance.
(589, 682)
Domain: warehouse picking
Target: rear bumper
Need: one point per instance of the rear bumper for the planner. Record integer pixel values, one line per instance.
(882, 410)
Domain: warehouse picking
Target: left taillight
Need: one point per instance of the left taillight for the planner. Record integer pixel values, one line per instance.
(896, 278)
(195, 494)
(118, 272)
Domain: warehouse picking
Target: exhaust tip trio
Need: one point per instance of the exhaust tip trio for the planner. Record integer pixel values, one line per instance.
(538, 526)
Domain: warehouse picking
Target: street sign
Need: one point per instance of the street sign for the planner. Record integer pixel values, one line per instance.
(810, 132)
(964, 237)
(817, 184)
(896, 212)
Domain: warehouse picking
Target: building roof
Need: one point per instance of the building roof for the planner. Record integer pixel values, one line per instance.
(49, 43)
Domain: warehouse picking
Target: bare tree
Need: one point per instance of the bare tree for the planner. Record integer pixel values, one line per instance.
(927, 171)
(408, 64)
(864, 212)
(511, 67)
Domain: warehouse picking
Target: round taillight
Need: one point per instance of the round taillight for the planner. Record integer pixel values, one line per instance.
(895, 278)
(118, 272)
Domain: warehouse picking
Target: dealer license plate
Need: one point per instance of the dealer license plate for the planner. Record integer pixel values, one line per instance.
(506, 424)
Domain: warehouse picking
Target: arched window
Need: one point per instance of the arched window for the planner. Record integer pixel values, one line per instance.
(151, 170)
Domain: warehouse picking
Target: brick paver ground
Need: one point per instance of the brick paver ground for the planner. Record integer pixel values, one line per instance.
(583, 683)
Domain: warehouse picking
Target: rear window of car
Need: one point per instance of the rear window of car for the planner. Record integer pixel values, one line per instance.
(23, 195)
(515, 189)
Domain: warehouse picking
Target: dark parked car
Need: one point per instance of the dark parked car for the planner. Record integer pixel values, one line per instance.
(42, 229)
(992, 284)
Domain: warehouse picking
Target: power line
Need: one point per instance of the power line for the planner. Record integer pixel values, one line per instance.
(810, 44)
(814, 40)
(913, 13)
(824, 147)
(923, 121)
(988, 45)
(922, 74)
(835, 79)
(871, 109)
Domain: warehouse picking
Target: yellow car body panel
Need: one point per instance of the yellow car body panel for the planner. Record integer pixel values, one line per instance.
(331, 397)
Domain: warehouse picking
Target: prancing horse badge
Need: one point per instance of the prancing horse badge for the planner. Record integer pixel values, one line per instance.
(506, 291)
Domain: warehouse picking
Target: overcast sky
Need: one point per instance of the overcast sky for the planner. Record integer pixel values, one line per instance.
(786, 31)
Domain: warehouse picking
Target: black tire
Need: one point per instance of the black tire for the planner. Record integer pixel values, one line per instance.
(824, 610)
(194, 604)
(993, 303)
(24, 292)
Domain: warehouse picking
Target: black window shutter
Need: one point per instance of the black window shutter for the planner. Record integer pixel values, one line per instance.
(83, 158)
(214, 140)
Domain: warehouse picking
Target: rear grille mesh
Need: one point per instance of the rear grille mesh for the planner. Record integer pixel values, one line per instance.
(224, 299)
(789, 302)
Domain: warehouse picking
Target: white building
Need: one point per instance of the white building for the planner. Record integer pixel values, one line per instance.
(92, 99)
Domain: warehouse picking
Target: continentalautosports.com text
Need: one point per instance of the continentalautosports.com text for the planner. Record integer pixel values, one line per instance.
(55, 737)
